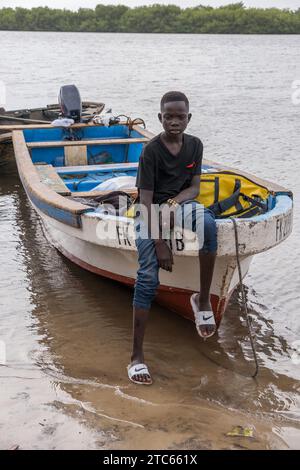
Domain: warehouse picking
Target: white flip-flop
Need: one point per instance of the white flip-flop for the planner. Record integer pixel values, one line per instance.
(202, 318)
(138, 369)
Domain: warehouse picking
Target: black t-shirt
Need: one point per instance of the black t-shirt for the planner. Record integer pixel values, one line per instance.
(165, 174)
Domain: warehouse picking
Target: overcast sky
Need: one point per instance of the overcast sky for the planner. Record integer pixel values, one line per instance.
(75, 4)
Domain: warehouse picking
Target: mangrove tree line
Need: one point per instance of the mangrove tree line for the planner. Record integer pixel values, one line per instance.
(234, 19)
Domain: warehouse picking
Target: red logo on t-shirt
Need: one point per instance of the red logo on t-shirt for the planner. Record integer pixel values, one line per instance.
(191, 165)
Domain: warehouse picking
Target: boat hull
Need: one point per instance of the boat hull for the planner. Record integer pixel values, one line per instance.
(121, 265)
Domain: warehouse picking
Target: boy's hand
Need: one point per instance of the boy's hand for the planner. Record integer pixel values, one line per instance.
(164, 255)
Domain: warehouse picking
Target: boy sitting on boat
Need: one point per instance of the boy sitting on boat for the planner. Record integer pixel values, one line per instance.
(169, 175)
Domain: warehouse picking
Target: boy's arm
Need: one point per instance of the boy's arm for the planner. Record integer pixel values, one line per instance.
(189, 193)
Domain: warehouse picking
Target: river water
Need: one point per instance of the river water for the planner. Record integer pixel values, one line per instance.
(67, 333)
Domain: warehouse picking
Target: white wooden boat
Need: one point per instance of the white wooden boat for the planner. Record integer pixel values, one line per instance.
(55, 172)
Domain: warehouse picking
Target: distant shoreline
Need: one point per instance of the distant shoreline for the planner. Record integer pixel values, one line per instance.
(156, 19)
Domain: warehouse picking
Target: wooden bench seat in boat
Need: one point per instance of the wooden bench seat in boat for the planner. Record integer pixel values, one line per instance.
(101, 167)
(50, 178)
(76, 143)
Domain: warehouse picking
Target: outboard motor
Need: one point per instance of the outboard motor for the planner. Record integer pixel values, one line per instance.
(70, 102)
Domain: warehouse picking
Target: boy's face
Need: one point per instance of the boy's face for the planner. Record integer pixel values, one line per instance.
(174, 117)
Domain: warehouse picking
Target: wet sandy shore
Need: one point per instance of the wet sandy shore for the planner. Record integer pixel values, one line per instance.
(67, 334)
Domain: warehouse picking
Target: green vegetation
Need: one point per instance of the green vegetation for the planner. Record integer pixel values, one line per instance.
(230, 19)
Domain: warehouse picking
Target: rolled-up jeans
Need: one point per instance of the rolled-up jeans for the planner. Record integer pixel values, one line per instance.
(192, 215)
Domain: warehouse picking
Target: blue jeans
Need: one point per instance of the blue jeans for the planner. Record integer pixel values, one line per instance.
(147, 280)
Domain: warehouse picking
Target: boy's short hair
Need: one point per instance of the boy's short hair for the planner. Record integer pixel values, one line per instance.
(174, 96)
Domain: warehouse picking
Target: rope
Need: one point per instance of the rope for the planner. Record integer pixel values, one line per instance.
(244, 299)
(135, 121)
(132, 122)
(98, 119)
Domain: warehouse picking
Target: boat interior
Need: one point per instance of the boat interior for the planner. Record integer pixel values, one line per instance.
(75, 161)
